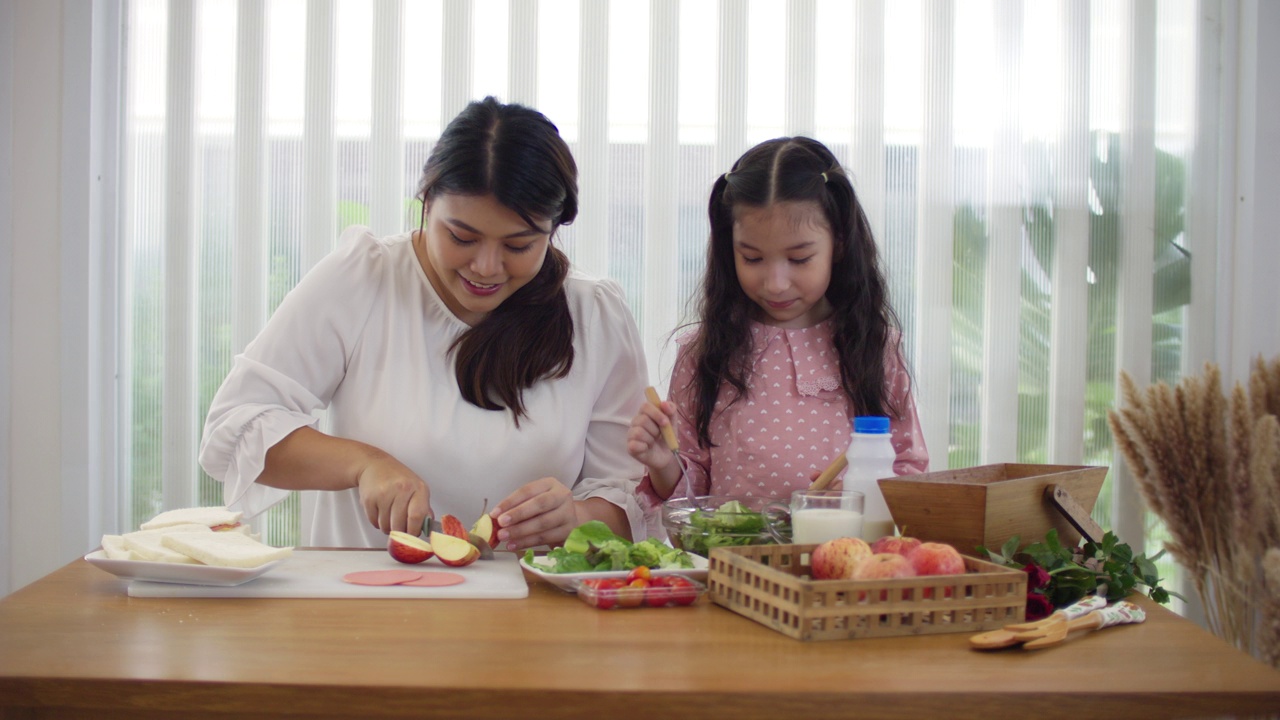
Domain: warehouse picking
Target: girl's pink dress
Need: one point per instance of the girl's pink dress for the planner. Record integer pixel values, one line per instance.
(796, 420)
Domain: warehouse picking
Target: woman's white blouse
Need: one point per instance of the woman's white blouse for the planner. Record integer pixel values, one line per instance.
(365, 335)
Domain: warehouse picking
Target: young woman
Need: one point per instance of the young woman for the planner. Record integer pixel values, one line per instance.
(796, 337)
(461, 362)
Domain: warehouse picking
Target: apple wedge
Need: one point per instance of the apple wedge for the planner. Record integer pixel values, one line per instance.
(487, 529)
(451, 525)
(453, 551)
(407, 548)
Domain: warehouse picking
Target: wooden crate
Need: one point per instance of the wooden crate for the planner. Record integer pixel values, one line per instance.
(987, 505)
(770, 584)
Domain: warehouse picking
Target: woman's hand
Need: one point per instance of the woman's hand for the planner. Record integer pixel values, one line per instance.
(542, 512)
(394, 498)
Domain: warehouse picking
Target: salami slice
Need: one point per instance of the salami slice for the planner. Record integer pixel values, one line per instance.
(381, 577)
(436, 579)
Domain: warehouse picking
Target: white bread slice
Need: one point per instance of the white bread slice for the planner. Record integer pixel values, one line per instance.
(114, 547)
(224, 549)
(208, 516)
(147, 546)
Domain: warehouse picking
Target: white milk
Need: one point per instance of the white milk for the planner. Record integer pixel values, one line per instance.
(873, 530)
(817, 525)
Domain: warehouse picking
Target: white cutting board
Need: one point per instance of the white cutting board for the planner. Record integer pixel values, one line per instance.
(318, 574)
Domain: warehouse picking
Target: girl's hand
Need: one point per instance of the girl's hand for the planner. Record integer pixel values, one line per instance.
(837, 484)
(394, 498)
(542, 512)
(644, 439)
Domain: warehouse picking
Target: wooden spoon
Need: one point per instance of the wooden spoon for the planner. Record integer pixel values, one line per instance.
(1118, 614)
(1007, 636)
(834, 469)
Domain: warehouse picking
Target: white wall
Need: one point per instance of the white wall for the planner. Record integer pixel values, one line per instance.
(33, 344)
(58, 155)
(50, 508)
(6, 274)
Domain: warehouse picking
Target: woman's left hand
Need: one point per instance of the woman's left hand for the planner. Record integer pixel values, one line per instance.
(542, 512)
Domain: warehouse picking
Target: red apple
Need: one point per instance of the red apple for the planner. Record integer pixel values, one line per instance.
(837, 559)
(453, 551)
(407, 548)
(896, 544)
(933, 558)
(451, 525)
(883, 566)
(486, 528)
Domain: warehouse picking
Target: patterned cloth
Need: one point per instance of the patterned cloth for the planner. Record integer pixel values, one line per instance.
(795, 421)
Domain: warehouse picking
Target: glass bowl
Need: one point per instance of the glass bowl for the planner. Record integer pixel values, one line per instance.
(718, 521)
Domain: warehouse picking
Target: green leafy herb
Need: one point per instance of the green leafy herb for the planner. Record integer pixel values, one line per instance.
(1108, 568)
(592, 547)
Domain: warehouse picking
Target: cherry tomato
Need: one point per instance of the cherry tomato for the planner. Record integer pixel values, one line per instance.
(639, 573)
(632, 594)
(606, 591)
(658, 593)
(682, 591)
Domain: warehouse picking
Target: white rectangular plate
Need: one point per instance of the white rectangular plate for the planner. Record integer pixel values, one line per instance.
(177, 572)
(566, 581)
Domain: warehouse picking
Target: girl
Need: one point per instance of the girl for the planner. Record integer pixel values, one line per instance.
(460, 362)
(796, 336)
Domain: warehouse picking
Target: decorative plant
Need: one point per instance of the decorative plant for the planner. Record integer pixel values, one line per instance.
(1058, 575)
(1210, 469)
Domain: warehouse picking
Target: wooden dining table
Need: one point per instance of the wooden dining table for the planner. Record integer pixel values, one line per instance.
(74, 644)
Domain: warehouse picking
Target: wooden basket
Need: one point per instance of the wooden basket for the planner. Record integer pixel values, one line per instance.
(770, 584)
(987, 505)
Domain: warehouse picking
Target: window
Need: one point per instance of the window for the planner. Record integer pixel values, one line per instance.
(1027, 167)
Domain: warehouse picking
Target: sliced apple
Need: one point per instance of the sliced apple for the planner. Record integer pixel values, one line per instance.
(407, 548)
(453, 551)
(453, 526)
(487, 528)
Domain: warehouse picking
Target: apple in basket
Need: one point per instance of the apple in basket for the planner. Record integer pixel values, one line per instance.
(933, 558)
(883, 566)
(837, 559)
(897, 544)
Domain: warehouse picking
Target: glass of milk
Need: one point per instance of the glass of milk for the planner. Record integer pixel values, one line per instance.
(819, 515)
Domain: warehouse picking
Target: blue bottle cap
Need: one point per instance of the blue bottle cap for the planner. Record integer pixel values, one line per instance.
(871, 425)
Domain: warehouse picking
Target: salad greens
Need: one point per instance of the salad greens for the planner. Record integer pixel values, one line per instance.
(592, 547)
(730, 524)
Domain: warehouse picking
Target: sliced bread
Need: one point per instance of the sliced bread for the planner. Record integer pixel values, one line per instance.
(114, 547)
(224, 549)
(146, 545)
(212, 517)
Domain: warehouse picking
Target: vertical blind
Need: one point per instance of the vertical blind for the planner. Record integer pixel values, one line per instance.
(1026, 167)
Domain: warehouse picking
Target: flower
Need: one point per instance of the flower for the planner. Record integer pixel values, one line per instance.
(1037, 577)
(1060, 575)
(1038, 607)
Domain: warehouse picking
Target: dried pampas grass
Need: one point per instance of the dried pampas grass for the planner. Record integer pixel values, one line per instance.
(1209, 467)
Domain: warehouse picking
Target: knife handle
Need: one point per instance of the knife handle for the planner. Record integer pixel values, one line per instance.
(668, 431)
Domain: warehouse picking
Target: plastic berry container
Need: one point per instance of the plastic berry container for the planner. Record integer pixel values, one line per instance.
(658, 591)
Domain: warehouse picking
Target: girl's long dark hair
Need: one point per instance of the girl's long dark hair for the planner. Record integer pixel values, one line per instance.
(517, 155)
(796, 169)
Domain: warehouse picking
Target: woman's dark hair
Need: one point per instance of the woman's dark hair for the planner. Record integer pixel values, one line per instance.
(515, 154)
(796, 169)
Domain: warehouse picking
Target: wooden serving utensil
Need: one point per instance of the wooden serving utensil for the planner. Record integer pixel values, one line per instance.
(1118, 614)
(669, 436)
(835, 468)
(1008, 636)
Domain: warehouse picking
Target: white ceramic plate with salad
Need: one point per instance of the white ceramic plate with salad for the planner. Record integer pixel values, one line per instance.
(565, 581)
